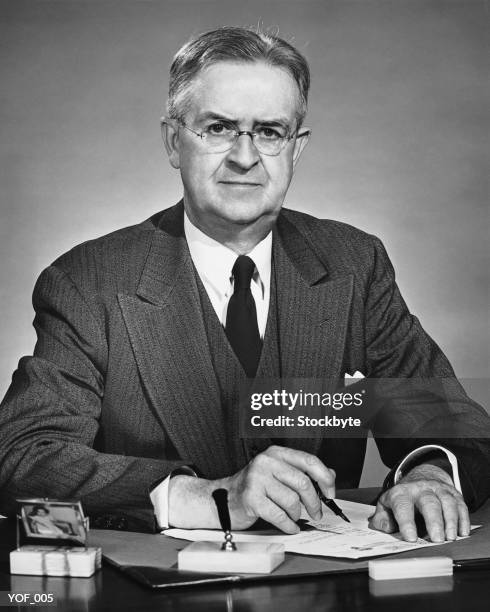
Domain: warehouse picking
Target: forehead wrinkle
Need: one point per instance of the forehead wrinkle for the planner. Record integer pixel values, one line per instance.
(208, 114)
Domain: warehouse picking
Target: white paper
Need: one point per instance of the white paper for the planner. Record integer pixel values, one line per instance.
(332, 536)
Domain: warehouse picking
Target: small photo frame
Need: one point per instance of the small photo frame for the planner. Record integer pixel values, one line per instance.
(53, 520)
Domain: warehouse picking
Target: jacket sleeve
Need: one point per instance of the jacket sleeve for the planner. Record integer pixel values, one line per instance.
(50, 417)
(418, 399)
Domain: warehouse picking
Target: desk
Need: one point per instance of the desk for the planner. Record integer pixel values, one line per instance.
(110, 590)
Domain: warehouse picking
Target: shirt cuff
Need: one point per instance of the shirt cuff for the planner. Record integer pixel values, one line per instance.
(159, 495)
(416, 454)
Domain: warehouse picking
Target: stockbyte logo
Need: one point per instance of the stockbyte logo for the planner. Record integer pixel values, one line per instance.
(304, 421)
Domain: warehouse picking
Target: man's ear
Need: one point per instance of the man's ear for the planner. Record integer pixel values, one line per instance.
(170, 136)
(302, 138)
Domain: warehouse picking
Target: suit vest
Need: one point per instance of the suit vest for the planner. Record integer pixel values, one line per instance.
(230, 375)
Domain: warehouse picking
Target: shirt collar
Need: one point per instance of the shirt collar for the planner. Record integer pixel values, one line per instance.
(214, 261)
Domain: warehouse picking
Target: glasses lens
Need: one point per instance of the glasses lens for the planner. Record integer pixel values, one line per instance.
(269, 147)
(219, 138)
(270, 140)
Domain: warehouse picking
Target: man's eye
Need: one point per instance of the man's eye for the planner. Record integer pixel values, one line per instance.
(216, 129)
(269, 133)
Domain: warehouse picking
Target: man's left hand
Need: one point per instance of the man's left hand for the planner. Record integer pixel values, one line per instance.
(429, 491)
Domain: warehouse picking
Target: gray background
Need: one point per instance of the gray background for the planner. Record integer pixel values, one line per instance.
(399, 148)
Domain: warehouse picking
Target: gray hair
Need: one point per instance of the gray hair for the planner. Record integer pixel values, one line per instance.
(234, 44)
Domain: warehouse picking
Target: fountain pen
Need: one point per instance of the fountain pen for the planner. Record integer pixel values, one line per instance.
(330, 503)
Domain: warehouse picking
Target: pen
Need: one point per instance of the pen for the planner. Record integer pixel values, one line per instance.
(330, 503)
(467, 564)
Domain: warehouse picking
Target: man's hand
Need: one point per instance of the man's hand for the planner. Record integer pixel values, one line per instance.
(273, 486)
(429, 491)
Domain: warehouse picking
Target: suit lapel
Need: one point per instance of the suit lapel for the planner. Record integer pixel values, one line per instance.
(313, 310)
(166, 329)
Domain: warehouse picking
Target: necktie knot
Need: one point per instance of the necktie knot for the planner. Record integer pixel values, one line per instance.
(242, 271)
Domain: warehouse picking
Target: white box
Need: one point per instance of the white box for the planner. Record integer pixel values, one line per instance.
(248, 558)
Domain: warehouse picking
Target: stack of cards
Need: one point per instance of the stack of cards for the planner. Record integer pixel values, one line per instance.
(76, 561)
(416, 567)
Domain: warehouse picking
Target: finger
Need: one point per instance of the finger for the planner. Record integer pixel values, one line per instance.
(449, 507)
(301, 483)
(382, 520)
(430, 508)
(270, 467)
(328, 489)
(287, 499)
(309, 464)
(401, 505)
(276, 516)
(464, 525)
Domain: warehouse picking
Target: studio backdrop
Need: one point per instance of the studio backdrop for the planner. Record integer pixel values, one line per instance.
(399, 147)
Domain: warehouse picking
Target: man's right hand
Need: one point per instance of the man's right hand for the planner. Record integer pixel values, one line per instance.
(273, 486)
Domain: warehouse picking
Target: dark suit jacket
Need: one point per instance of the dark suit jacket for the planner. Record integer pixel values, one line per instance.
(121, 390)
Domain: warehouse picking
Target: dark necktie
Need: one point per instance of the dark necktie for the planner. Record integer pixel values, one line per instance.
(241, 317)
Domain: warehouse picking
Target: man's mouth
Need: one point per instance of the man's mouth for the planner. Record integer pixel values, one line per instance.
(240, 183)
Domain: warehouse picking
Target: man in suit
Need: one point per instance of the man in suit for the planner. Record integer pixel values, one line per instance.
(130, 401)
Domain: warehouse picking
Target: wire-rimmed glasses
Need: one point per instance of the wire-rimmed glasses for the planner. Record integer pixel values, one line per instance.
(221, 136)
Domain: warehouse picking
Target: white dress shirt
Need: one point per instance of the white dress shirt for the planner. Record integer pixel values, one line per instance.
(214, 262)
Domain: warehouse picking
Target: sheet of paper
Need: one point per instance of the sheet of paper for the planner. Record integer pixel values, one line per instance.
(330, 537)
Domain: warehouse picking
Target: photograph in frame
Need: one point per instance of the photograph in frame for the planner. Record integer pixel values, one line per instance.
(51, 519)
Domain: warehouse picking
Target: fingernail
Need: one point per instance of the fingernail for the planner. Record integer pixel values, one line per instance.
(451, 534)
(318, 515)
(384, 525)
(331, 493)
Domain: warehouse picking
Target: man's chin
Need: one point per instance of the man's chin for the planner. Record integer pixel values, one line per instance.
(249, 216)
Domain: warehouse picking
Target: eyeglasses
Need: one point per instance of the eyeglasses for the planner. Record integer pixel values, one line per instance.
(220, 137)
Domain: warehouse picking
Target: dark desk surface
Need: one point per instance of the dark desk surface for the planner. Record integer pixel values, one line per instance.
(111, 590)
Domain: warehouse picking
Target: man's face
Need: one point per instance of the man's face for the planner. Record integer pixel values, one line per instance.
(240, 186)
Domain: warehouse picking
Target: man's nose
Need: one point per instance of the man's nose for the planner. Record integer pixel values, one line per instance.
(243, 153)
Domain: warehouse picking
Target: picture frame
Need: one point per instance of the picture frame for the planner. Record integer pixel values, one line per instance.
(53, 519)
